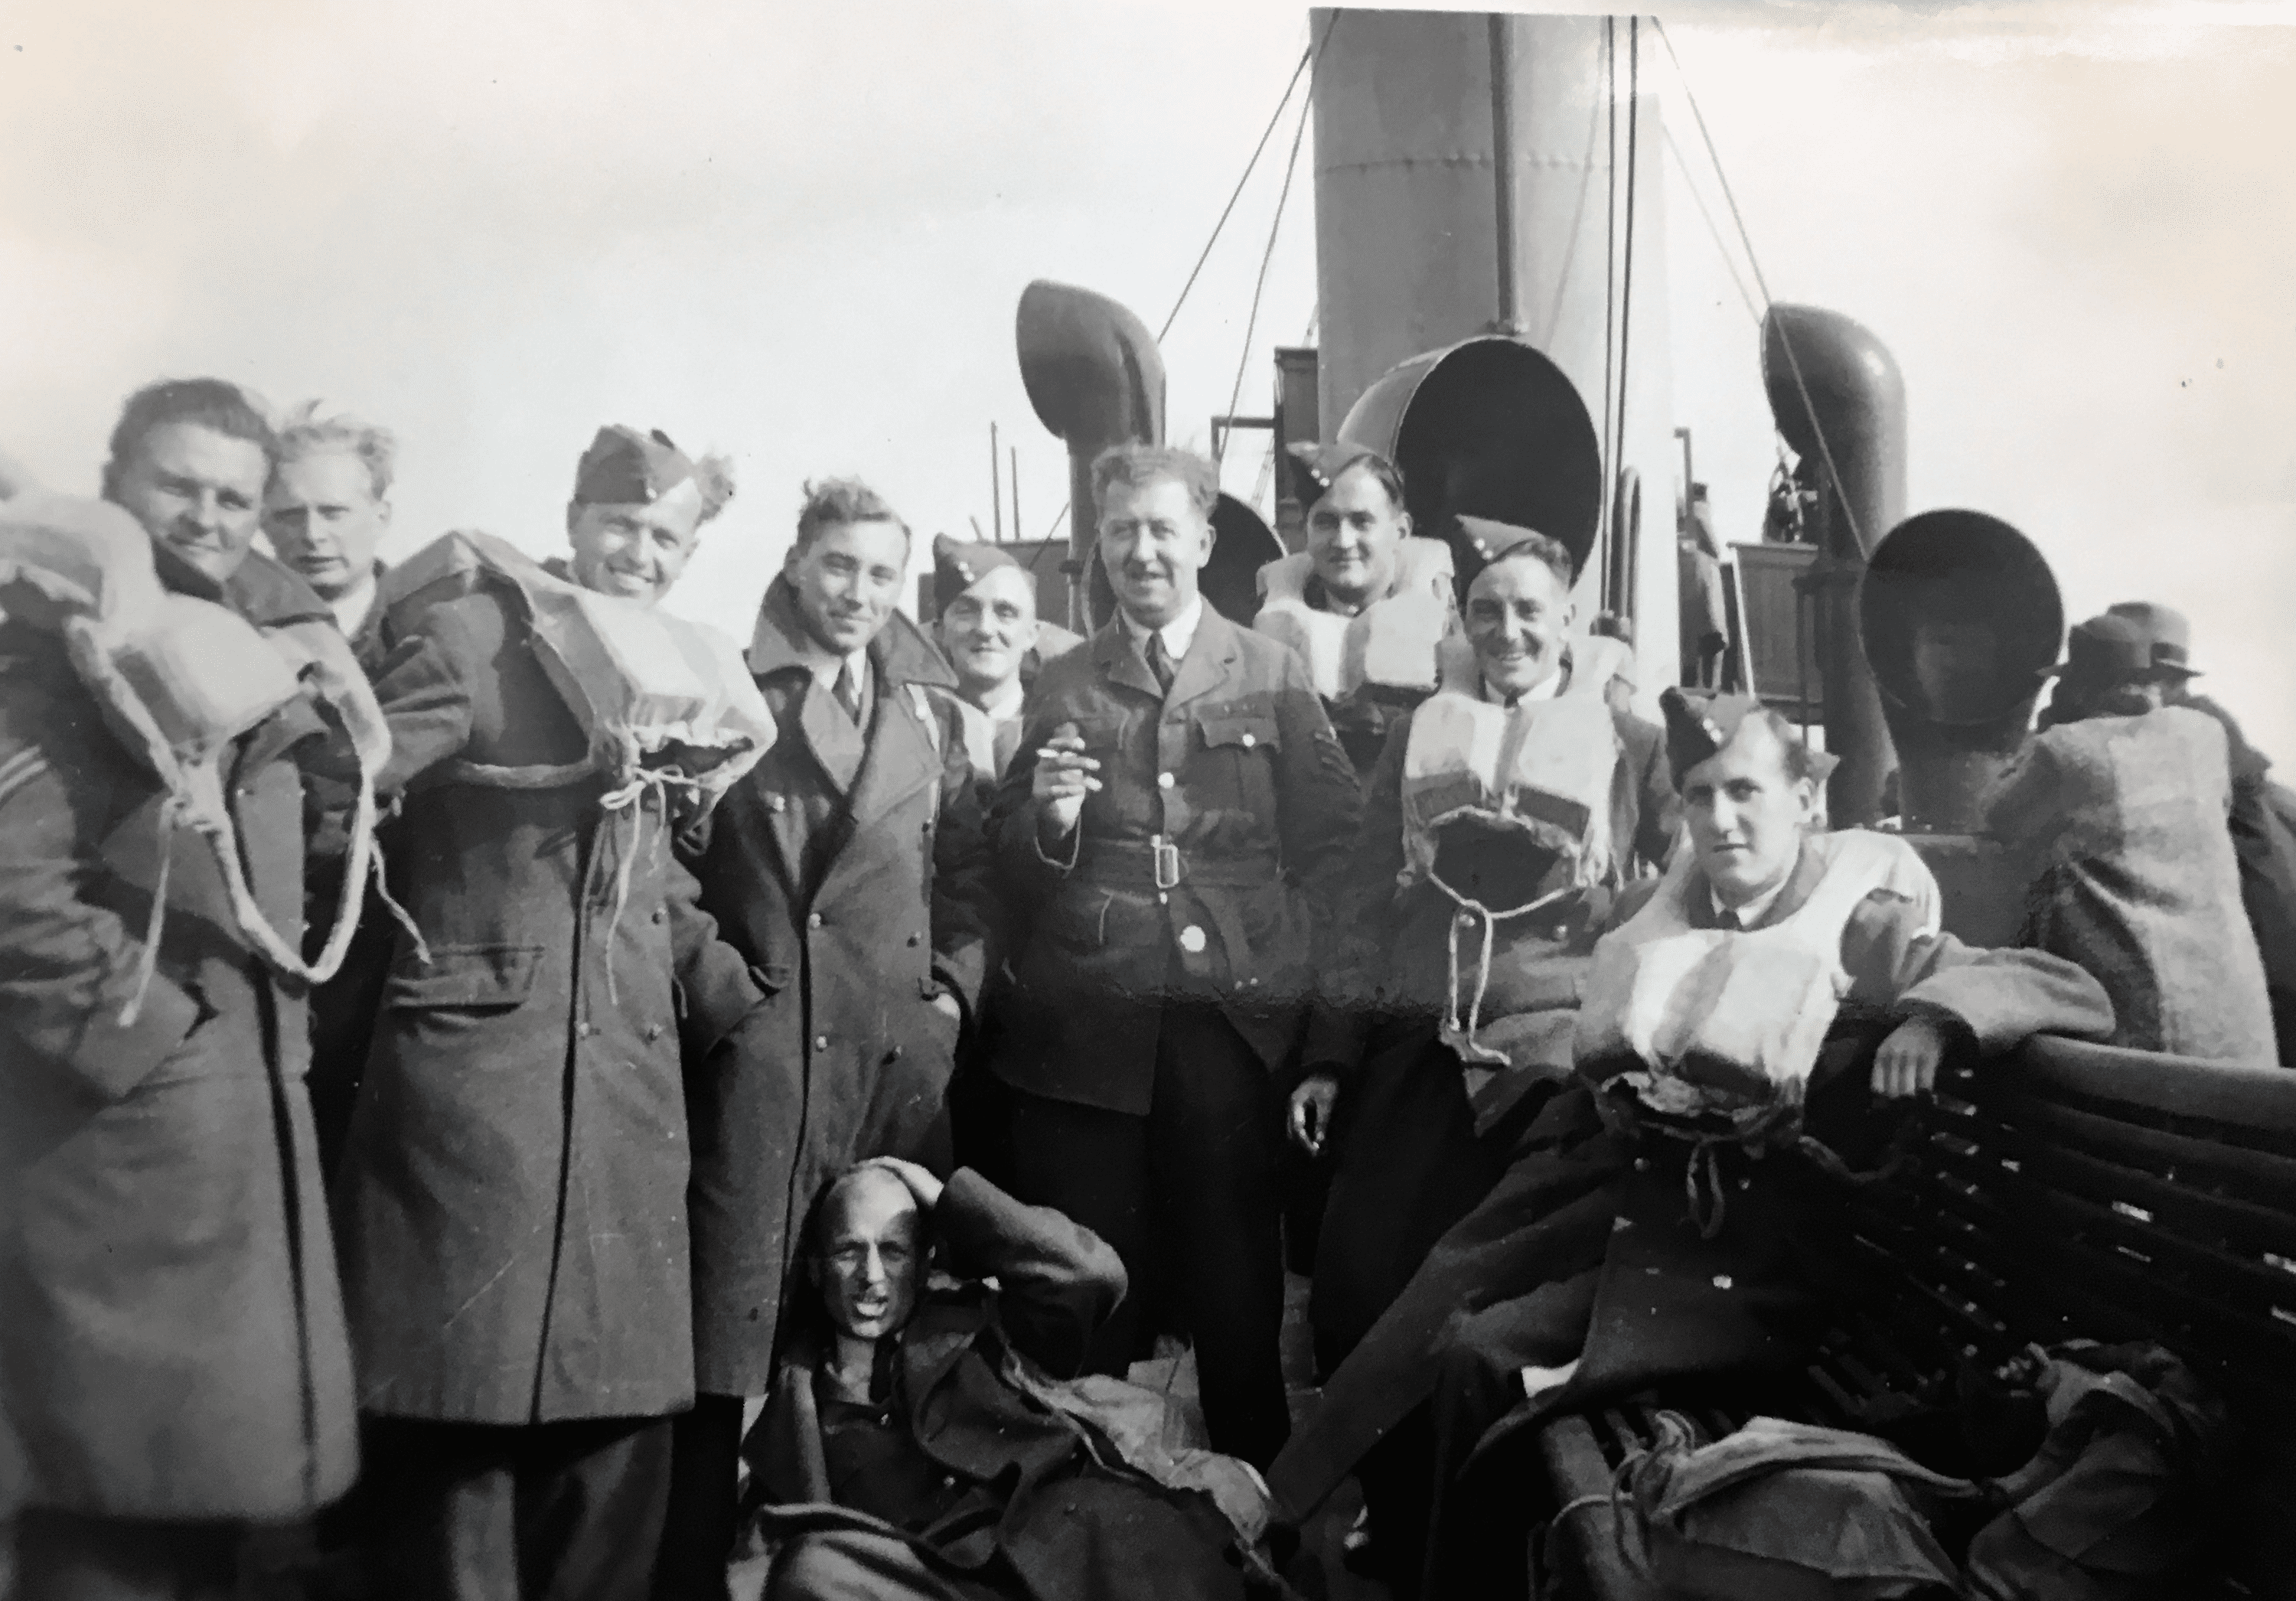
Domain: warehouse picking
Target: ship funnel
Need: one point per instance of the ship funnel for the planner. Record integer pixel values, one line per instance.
(1961, 618)
(1096, 378)
(1488, 427)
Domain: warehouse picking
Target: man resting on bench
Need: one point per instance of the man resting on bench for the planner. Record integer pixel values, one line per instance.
(1642, 1231)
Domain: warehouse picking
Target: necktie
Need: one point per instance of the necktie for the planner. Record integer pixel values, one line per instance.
(1160, 661)
(847, 692)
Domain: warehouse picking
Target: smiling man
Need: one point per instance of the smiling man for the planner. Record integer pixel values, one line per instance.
(989, 630)
(1175, 818)
(849, 868)
(1506, 812)
(1738, 1017)
(1367, 603)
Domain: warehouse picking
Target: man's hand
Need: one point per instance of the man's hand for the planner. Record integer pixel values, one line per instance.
(1311, 1111)
(921, 1184)
(946, 1006)
(1907, 1064)
(1062, 779)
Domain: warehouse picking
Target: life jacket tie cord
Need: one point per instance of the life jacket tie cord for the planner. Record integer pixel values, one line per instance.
(1464, 1040)
(630, 799)
(399, 914)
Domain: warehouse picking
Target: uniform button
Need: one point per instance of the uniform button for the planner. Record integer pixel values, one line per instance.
(659, 914)
(653, 1032)
(813, 921)
(1248, 741)
(1163, 781)
(583, 1031)
(1162, 899)
(1192, 939)
(948, 1481)
(821, 1042)
(913, 939)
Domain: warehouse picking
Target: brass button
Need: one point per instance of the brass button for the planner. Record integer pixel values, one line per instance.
(821, 1042)
(1163, 781)
(813, 921)
(653, 1032)
(1192, 939)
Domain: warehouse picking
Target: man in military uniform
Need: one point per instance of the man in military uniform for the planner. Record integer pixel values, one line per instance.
(1173, 822)
(1474, 893)
(1367, 603)
(1706, 1063)
(850, 870)
(989, 631)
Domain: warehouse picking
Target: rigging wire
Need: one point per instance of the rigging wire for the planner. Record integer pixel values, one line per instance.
(1721, 245)
(1785, 342)
(1259, 285)
(1609, 274)
(1627, 271)
(1305, 57)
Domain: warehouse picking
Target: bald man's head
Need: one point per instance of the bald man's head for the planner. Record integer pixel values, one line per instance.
(869, 1252)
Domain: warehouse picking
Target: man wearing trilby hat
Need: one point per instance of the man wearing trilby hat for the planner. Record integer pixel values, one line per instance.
(1367, 603)
(1503, 813)
(510, 1200)
(2263, 816)
(1708, 1063)
(2117, 809)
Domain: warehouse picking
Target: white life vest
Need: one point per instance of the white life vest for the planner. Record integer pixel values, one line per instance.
(1541, 773)
(663, 701)
(1390, 642)
(1730, 1021)
(180, 679)
(1546, 768)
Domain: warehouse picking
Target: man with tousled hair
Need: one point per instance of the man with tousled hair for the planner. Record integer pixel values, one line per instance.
(849, 869)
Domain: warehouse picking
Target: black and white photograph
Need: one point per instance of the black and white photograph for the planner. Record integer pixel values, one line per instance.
(1147, 800)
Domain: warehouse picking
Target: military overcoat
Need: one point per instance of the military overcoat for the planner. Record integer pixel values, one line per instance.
(857, 902)
(171, 1330)
(511, 1195)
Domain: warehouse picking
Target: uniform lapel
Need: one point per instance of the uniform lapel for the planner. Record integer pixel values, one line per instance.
(1210, 654)
(1119, 657)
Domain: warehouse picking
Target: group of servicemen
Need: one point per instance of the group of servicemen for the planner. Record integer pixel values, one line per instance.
(1086, 927)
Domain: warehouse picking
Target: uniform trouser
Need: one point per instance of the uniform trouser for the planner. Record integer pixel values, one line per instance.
(535, 1512)
(697, 1531)
(1189, 1197)
(67, 1556)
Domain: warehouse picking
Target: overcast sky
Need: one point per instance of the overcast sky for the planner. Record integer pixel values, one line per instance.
(797, 234)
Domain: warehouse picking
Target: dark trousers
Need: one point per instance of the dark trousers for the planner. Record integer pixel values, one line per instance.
(539, 1512)
(1189, 1197)
(698, 1532)
(65, 1556)
(853, 1564)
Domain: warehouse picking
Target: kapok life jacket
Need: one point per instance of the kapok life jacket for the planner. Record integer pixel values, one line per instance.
(1505, 811)
(180, 679)
(1390, 642)
(1729, 1021)
(662, 700)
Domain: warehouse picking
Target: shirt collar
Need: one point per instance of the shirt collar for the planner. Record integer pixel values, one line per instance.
(353, 608)
(1752, 914)
(1179, 633)
(1007, 706)
(1547, 691)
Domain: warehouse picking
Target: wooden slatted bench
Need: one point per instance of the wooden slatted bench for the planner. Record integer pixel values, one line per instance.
(2068, 1191)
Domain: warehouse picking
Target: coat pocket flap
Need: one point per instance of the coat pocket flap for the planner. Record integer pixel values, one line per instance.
(1247, 732)
(466, 975)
